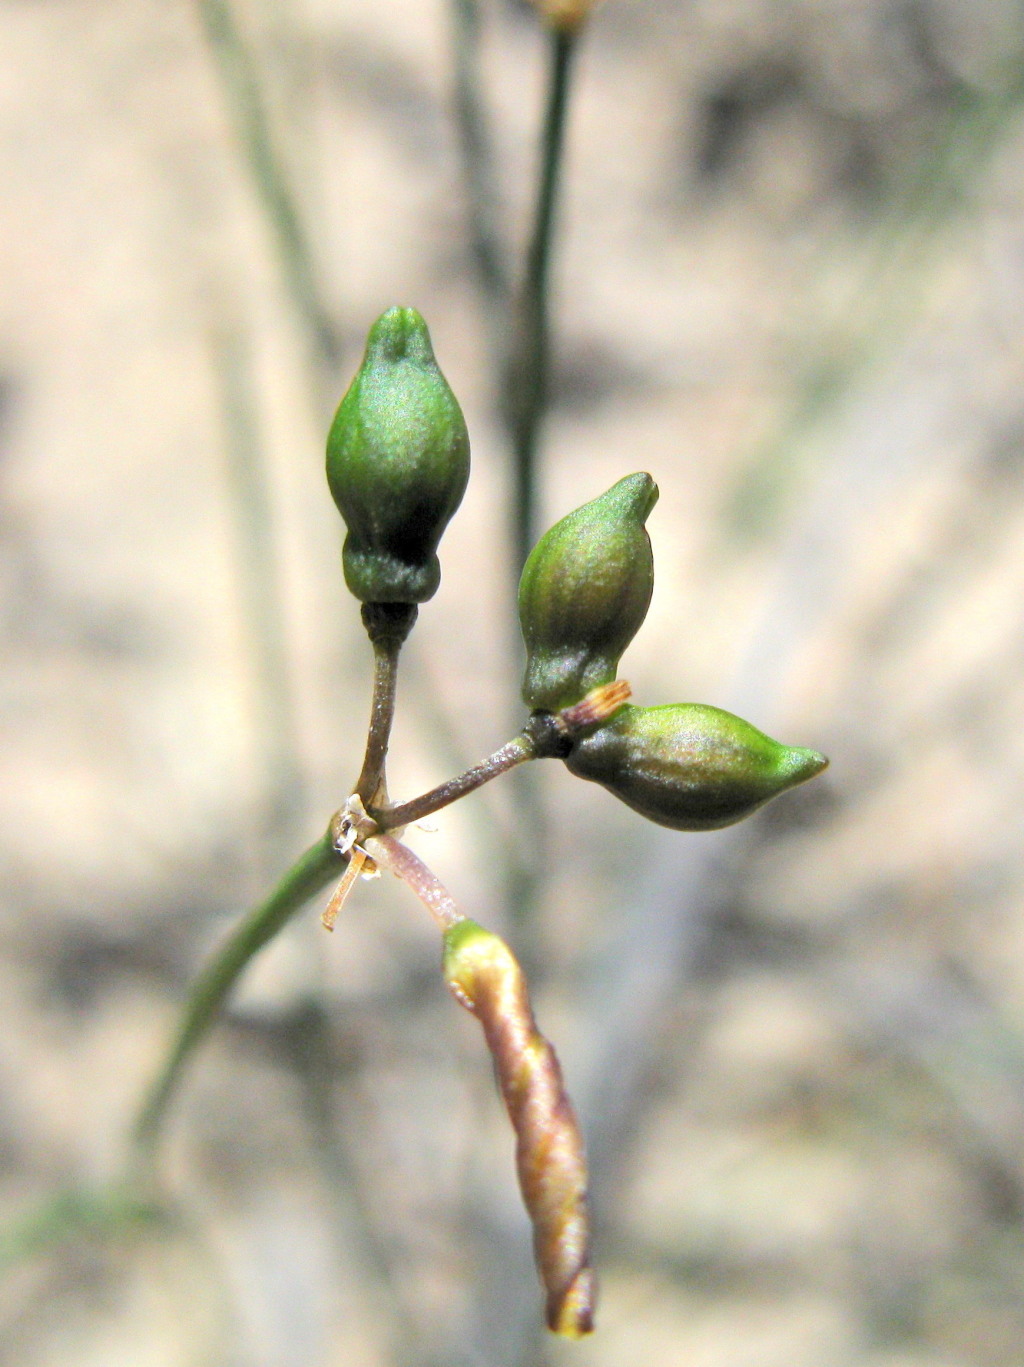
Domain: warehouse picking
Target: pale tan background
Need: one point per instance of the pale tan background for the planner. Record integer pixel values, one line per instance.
(790, 284)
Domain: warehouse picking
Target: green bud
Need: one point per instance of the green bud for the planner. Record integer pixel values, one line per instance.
(688, 766)
(585, 591)
(397, 463)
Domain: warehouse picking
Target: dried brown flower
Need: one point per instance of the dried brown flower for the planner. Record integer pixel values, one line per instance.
(484, 975)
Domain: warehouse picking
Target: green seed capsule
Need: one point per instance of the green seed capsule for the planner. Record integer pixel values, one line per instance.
(688, 766)
(585, 591)
(397, 463)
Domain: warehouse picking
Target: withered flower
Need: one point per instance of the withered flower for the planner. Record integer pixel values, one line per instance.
(484, 975)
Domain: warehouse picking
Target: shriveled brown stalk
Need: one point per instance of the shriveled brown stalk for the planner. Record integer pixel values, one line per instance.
(484, 975)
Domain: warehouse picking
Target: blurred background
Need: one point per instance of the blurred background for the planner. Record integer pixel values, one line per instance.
(788, 280)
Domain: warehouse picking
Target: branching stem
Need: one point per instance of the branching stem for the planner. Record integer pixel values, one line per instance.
(544, 736)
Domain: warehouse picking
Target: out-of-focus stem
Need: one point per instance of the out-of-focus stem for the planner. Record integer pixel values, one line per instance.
(74, 1214)
(526, 394)
(241, 80)
(477, 156)
(527, 377)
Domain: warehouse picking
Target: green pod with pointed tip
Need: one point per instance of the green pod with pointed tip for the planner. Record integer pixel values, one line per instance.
(584, 593)
(688, 766)
(397, 463)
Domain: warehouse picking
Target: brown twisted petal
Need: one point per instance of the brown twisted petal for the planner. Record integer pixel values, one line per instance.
(483, 974)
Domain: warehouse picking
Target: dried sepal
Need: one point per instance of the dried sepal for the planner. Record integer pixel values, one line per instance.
(484, 975)
(357, 858)
(599, 705)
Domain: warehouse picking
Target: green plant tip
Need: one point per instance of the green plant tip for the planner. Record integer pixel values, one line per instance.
(397, 463)
(584, 594)
(689, 766)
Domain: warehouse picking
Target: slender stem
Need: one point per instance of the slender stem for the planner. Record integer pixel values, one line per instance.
(387, 625)
(527, 379)
(391, 854)
(514, 752)
(477, 154)
(562, 49)
(372, 778)
(303, 880)
(241, 79)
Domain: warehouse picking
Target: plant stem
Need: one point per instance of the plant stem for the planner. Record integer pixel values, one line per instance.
(242, 82)
(514, 752)
(303, 880)
(389, 853)
(477, 155)
(372, 778)
(387, 625)
(322, 862)
(527, 377)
